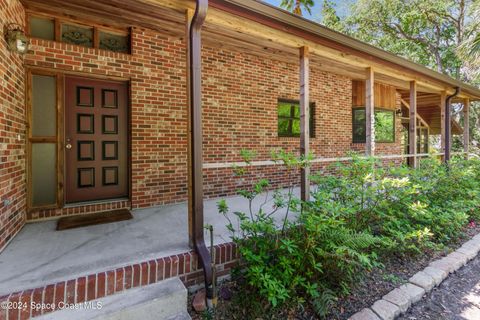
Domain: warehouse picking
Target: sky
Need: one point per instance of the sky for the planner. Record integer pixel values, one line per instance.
(341, 6)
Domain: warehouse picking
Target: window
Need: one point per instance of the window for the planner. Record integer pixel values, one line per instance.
(384, 125)
(43, 140)
(44, 27)
(289, 118)
(77, 35)
(422, 140)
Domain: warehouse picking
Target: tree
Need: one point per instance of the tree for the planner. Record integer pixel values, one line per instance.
(470, 48)
(425, 31)
(428, 32)
(296, 6)
(330, 17)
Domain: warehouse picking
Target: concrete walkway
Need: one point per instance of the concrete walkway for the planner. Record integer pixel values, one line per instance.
(458, 297)
(40, 255)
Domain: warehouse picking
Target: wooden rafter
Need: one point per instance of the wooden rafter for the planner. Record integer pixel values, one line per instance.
(407, 105)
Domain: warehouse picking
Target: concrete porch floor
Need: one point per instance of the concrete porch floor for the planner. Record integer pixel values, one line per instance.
(40, 255)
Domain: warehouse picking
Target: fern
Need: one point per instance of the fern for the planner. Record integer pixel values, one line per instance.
(324, 301)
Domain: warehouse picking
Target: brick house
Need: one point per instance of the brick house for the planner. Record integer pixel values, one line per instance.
(94, 117)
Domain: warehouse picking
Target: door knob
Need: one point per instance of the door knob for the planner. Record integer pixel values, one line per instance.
(68, 146)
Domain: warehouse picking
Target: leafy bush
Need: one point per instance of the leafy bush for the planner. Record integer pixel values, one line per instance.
(293, 253)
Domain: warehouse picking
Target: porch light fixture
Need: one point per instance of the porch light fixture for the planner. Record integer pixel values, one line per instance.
(16, 39)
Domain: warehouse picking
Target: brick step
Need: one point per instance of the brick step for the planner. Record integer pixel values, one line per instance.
(77, 290)
(166, 299)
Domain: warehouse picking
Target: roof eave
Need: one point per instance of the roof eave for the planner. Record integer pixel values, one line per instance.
(316, 29)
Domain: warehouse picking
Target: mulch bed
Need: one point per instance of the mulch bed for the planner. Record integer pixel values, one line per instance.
(372, 287)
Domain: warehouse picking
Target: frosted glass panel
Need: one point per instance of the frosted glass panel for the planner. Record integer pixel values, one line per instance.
(42, 28)
(44, 174)
(44, 109)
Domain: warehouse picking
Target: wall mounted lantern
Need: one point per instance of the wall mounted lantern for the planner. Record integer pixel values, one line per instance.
(16, 39)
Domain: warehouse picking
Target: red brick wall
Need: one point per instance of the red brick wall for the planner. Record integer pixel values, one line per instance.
(240, 112)
(156, 71)
(12, 129)
(241, 92)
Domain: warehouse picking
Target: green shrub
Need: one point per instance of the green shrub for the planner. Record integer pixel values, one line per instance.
(296, 253)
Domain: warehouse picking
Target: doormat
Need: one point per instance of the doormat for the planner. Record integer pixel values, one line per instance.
(93, 219)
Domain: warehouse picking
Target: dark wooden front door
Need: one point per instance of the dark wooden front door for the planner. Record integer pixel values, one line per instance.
(96, 140)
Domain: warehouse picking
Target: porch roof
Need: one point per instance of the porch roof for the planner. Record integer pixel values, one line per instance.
(428, 108)
(263, 29)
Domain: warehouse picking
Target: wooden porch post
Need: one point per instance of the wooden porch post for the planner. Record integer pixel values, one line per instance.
(369, 113)
(413, 124)
(466, 126)
(304, 120)
(443, 98)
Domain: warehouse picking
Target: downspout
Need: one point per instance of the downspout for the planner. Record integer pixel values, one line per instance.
(196, 144)
(448, 124)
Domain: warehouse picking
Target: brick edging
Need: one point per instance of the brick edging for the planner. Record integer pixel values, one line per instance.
(397, 301)
(108, 282)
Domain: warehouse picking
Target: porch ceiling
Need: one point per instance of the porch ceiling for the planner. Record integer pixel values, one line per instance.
(116, 13)
(227, 30)
(428, 107)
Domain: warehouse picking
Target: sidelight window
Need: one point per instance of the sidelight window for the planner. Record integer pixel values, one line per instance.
(43, 140)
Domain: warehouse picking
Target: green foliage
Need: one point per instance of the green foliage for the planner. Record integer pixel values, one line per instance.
(295, 253)
(443, 35)
(330, 17)
(425, 31)
(296, 6)
(393, 279)
(470, 48)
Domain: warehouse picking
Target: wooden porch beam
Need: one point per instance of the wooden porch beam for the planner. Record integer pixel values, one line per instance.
(443, 98)
(369, 113)
(247, 28)
(220, 18)
(413, 124)
(466, 126)
(304, 120)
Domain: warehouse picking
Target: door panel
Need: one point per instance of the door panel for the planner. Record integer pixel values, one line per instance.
(96, 140)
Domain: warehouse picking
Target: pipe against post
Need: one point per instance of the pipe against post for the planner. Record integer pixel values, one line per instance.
(188, 19)
(466, 126)
(196, 200)
(448, 124)
(369, 113)
(443, 98)
(304, 120)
